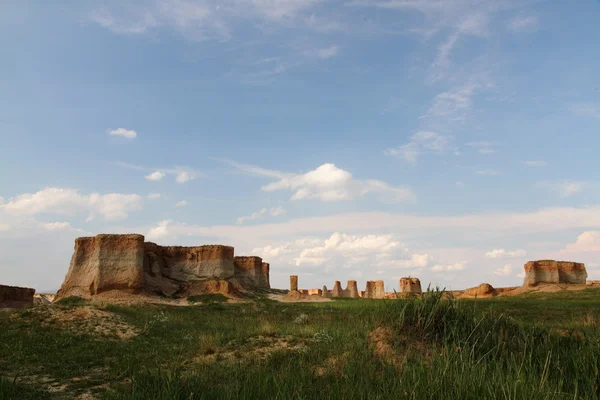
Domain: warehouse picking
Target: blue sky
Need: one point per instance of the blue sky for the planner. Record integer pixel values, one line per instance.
(354, 139)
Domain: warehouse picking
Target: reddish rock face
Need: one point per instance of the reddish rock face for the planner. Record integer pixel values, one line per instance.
(127, 263)
(16, 297)
(550, 271)
(264, 281)
(105, 262)
(248, 271)
(410, 285)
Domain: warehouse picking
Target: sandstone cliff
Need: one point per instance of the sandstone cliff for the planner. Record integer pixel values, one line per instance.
(127, 263)
(550, 271)
(374, 290)
(351, 290)
(16, 297)
(410, 285)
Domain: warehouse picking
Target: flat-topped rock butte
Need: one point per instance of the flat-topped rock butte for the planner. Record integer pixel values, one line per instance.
(16, 297)
(127, 263)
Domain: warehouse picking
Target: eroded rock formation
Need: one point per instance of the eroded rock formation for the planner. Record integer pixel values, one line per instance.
(127, 263)
(351, 290)
(483, 290)
(293, 283)
(16, 297)
(410, 285)
(550, 271)
(374, 290)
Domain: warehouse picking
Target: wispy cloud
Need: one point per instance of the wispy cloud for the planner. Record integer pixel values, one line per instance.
(591, 110)
(448, 267)
(562, 188)
(452, 106)
(419, 143)
(523, 23)
(487, 172)
(181, 203)
(535, 163)
(501, 253)
(274, 212)
(328, 52)
(504, 271)
(181, 174)
(484, 147)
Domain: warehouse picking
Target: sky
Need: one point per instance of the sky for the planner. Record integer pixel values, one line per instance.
(449, 140)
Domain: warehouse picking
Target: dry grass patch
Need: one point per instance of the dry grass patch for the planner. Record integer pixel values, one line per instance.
(253, 349)
(398, 349)
(87, 320)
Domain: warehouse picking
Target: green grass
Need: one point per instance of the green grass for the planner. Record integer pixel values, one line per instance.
(543, 346)
(71, 301)
(207, 298)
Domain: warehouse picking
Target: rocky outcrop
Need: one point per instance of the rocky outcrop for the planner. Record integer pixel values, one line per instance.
(127, 263)
(248, 271)
(16, 297)
(351, 290)
(264, 281)
(550, 271)
(483, 290)
(105, 262)
(410, 285)
(374, 290)
(293, 283)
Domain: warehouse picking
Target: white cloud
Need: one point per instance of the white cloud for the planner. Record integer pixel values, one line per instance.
(484, 147)
(57, 226)
(160, 231)
(181, 203)
(155, 176)
(343, 250)
(328, 183)
(328, 52)
(522, 23)
(564, 188)
(184, 176)
(535, 163)
(448, 267)
(591, 110)
(274, 212)
(154, 196)
(128, 133)
(420, 142)
(501, 253)
(586, 242)
(488, 172)
(111, 206)
(504, 271)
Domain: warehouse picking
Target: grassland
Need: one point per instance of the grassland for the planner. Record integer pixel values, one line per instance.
(542, 346)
